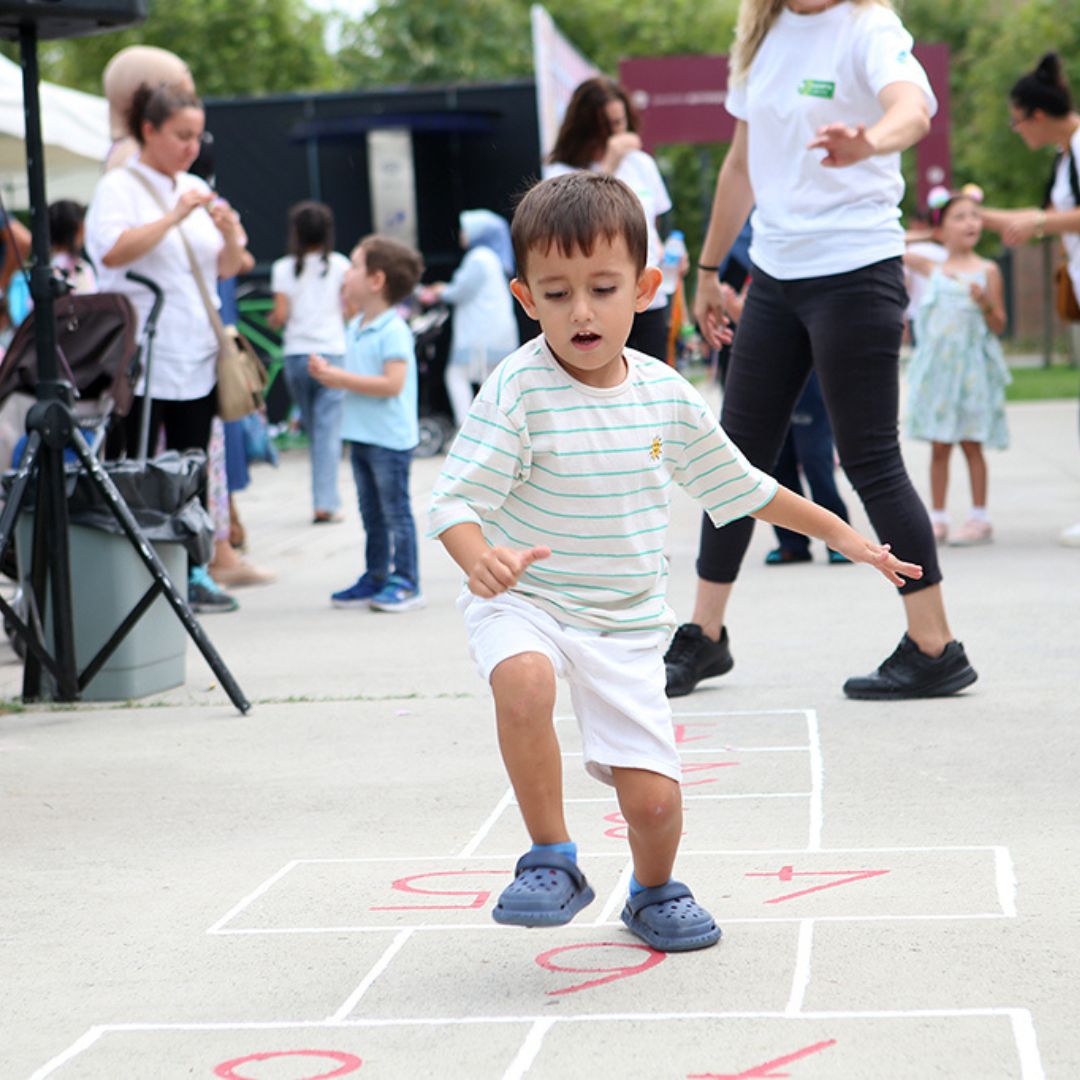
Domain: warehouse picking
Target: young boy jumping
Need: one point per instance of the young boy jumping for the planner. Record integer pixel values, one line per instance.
(555, 500)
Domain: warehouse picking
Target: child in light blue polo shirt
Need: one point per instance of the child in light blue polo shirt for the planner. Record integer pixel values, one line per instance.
(379, 420)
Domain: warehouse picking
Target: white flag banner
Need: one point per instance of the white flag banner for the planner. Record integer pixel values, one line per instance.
(559, 68)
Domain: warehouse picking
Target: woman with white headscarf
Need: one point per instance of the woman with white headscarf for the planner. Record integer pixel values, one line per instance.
(484, 327)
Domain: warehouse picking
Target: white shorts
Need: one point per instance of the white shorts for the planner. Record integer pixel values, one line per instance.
(616, 680)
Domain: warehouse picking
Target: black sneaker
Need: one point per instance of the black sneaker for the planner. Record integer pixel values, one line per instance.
(910, 673)
(692, 656)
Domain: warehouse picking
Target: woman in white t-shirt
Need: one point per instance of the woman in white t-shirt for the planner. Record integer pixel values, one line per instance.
(1043, 113)
(599, 132)
(825, 95)
(307, 303)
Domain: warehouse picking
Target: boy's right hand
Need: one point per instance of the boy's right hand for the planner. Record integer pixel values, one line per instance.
(499, 568)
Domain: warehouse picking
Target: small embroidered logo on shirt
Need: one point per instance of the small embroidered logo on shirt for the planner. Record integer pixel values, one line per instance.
(822, 88)
(656, 450)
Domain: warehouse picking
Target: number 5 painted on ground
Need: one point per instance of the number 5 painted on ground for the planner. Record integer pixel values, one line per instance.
(479, 896)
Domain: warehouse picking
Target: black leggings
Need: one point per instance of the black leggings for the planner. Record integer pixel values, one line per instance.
(186, 423)
(848, 327)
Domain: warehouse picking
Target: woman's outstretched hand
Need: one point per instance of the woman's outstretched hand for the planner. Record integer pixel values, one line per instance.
(843, 144)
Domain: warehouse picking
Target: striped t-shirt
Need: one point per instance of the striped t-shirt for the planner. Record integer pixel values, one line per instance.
(544, 459)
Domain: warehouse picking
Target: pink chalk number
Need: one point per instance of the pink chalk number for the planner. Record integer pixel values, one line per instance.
(789, 873)
(610, 974)
(347, 1063)
(479, 897)
(765, 1071)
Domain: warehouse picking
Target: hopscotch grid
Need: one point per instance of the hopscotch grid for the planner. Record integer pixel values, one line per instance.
(1020, 1020)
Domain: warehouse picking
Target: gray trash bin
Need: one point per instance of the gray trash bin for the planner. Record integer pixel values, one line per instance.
(108, 577)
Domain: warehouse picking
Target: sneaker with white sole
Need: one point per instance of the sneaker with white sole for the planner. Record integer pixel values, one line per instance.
(972, 532)
(398, 594)
(359, 594)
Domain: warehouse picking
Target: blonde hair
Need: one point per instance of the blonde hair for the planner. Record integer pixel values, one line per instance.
(756, 18)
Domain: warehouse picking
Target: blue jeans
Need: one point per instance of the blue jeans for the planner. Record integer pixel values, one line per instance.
(809, 443)
(382, 489)
(320, 413)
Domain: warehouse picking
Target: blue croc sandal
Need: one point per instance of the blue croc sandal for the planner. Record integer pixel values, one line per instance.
(668, 918)
(548, 890)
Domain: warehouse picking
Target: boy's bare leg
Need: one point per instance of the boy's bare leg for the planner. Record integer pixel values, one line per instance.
(652, 806)
(524, 691)
(710, 605)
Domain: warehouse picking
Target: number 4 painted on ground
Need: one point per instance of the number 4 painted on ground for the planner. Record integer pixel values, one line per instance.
(789, 873)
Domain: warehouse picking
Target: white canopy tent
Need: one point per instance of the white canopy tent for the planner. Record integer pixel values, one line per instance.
(75, 131)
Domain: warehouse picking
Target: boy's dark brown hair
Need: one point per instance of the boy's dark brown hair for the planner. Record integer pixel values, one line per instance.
(572, 212)
(399, 262)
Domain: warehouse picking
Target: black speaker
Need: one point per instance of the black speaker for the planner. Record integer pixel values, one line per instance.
(69, 18)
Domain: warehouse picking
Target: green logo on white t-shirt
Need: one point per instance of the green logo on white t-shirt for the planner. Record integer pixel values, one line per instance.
(823, 88)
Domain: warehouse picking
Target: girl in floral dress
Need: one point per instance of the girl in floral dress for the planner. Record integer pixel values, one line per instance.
(957, 377)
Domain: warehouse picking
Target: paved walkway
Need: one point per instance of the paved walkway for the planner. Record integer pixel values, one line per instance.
(305, 891)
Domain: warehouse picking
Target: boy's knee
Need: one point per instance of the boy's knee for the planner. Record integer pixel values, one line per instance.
(651, 805)
(523, 684)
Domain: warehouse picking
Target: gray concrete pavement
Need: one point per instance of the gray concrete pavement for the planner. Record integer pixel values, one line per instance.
(305, 891)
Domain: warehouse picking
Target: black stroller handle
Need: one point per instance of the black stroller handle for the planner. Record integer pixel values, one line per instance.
(155, 288)
(143, 358)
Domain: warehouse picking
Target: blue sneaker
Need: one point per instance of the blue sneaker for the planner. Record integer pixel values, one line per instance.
(398, 594)
(358, 595)
(205, 595)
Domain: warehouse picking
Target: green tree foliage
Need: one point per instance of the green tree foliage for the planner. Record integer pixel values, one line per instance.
(249, 47)
(438, 41)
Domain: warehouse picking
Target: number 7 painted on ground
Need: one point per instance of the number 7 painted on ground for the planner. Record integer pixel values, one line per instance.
(764, 1071)
(788, 873)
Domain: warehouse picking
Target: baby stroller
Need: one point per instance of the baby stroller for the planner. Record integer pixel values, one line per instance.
(436, 424)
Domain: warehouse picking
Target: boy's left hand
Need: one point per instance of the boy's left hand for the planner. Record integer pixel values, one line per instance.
(880, 557)
(321, 370)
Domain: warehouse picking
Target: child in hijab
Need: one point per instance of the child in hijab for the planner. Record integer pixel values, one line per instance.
(484, 328)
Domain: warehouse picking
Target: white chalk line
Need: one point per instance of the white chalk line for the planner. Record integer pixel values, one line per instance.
(617, 895)
(817, 782)
(529, 1050)
(489, 824)
(1020, 1021)
(378, 968)
(1005, 876)
(745, 920)
(268, 884)
(800, 980)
